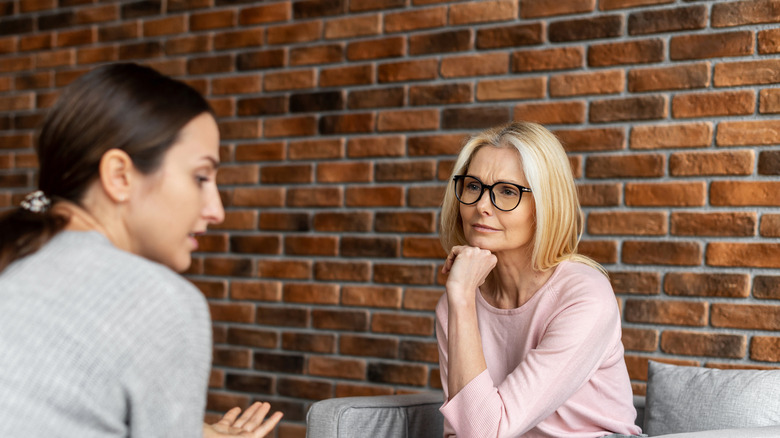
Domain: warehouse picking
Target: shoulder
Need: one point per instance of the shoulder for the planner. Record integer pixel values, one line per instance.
(578, 283)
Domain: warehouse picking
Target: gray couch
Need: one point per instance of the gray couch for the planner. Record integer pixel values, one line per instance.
(681, 402)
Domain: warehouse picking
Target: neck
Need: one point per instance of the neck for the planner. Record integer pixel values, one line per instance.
(514, 282)
(82, 219)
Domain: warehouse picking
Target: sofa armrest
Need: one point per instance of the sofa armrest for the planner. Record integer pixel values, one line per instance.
(745, 432)
(412, 415)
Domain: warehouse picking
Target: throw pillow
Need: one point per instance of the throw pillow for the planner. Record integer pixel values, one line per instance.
(690, 399)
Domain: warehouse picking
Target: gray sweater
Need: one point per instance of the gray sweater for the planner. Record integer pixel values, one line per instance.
(98, 342)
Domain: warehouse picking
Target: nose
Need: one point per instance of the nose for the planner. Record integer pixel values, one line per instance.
(484, 204)
(213, 211)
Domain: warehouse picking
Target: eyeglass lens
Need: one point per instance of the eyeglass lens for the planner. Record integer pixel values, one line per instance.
(503, 195)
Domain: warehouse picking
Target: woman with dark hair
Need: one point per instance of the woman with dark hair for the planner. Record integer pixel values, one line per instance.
(100, 337)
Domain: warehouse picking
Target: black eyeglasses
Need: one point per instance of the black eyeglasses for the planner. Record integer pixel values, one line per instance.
(505, 196)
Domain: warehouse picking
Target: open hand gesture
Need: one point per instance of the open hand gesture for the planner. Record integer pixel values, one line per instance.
(250, 424)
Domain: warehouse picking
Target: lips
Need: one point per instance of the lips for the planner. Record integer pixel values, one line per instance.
(482, 227)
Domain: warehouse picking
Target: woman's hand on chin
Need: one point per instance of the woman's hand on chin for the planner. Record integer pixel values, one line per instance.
(249, 424)
(468, 267)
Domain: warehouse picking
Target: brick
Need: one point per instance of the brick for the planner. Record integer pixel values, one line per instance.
(282, 316)
(306, 389)
(290, 126)
(61, 58)
(392, 47)
(376, 98)
(338, 221)
(294, 33)
(446, 144)
(564, 58)
(727, 103)
(632, 108)
(579, 140)
(223, 402)
(760, 132)
(511, 89)
(16, 64)
(232, 312)
(770, 225)
(419, 351)
(20, 141)
(316, 149)
(212, 289)
(619, 166)
(318, 8)
(436, 94)
(667, 20)
(752, 255)
(256, 244)
(324, 54)
(353, 26)
(403, 274)
(212, 20)
(631, 52)
(344, 172)
(484, 11)
(35, 5)
(426, 196)
(688, 313)
(256, 291)
(551, 113)
(405, 222)
(692, 284)
(142, 8)
(673, 194)
(510, 36)
(351, 320)
(757, 193)
(606, 5)
(703, 344)
(311, 245)
(287, 363)
(370, 5)
(289, 80)
(262, 106)
(260, 59)
(744, 12)
(347, 123)
(769, 101)
(342, 271)
(415, 19)
(640, 339)
(691, 135)
(421, 299)
(76, 38)
(223, 266)
(636, 283)
(601, 82)
(336, 367)
(408, 120)
(235, 85)
(289, 269)
(371, 346)
(475, 65)
(629, 223)
(210, 64)
(28, 43)
(474, 117)
(542, 8)
(249, 383)
(592, 195)
(707, 46)
(400, 374)
(389, 196)
(260, 152)
(239, 39)
(769, 41)
(181, 5)
(712, 163)
(165, 26)
(371, 296)
(265, 14)
(317, 101)
(369, 247)
(765, 348)
(422, 247)
(235, 129)
(670, 78)
(311, 293)
(232, 357)
(746, 316)
(348, 390)
(402, 324)
(604, 26)
(212, 242)
(30, 81)
(350, 75)
(730, 74)
(252, 337)
(188, 44)
(673, 253)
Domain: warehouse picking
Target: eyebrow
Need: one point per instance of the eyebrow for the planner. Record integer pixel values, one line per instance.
(214, 162)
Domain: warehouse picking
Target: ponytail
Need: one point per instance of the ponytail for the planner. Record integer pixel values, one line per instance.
(22, 232)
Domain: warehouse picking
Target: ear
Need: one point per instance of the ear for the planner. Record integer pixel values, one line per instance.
(116, 174)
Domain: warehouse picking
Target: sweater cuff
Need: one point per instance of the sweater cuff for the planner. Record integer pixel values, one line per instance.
(469, 411)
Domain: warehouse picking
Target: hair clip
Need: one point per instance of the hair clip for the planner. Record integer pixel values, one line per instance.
(36, 202)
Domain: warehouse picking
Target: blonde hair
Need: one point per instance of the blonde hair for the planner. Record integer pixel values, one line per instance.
(559, 219)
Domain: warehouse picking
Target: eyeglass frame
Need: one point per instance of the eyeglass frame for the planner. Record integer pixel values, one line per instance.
(489, 188)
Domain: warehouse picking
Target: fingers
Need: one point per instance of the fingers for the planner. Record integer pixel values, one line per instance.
(256, 416)
(230, 417)
(247, 416)
(268, 425)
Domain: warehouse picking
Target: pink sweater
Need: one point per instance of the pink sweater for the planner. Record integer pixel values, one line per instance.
(554, 365)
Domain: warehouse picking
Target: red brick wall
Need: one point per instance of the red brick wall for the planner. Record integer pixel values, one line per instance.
(340, 120)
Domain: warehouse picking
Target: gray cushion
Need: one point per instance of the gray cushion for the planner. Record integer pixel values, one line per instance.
(689, 399)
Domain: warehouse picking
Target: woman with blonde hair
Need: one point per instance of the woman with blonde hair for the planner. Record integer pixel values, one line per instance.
(528, 329)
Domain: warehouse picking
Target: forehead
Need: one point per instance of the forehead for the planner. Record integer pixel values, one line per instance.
(490, 163)
(198, 140)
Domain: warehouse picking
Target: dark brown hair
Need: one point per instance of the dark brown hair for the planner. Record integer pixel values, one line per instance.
(117, 106)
